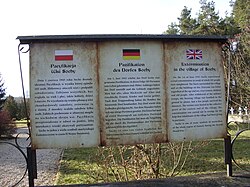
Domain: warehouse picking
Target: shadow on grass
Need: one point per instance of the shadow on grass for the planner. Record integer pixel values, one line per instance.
(204, 159)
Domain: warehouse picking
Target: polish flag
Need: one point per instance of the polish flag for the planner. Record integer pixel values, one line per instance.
(63, 55)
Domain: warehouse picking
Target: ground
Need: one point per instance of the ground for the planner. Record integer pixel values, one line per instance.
(208, 180)
(13, 165)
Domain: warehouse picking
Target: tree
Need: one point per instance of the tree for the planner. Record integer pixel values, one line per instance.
(241, 11)
(186, 23)
(22, 113)
(237, 27)
(228, 26)
(21, 110)
(2, 92)
(240, 93)
(241, 14)
(11, 106)
(208, 21)
(7, 127)
(172, 29)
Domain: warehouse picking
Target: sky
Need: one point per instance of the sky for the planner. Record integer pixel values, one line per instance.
(63, 17)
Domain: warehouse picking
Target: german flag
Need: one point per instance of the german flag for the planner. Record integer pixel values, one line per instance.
(131, 54)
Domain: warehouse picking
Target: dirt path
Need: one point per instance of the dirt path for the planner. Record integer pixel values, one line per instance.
(13, 164)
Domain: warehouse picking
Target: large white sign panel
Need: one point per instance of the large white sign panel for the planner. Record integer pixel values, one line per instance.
(195, 90)
(64, 95)
(87, 94)
(132, 92)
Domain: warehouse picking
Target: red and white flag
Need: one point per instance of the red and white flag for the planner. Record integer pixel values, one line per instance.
(63, 55)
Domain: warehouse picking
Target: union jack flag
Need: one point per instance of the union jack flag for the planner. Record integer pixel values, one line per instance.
(194, 54)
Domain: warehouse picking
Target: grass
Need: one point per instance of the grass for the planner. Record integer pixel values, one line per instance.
(21, 123)
(81, 166)
(76, 166)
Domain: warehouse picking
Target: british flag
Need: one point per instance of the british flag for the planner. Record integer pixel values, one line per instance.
(194, 54)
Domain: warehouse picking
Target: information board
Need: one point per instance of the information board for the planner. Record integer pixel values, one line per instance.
(64, 95)
(119, 92)
(196, 91)
(132, 92)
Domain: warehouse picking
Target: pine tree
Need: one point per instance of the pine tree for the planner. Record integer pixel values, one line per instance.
(237, 27)
(241, 11)
(172, 29)
(2, 93)
(186, 23)
(7, 127)
(241, 57)
(11, 106)
(208, 21)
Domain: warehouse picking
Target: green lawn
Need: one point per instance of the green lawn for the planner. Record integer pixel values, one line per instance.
(21, 123)
(93, 165)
